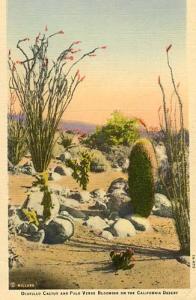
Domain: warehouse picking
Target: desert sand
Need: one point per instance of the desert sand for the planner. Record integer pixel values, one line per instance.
(84, 261)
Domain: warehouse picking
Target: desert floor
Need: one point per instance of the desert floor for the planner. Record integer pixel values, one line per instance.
(84, 261)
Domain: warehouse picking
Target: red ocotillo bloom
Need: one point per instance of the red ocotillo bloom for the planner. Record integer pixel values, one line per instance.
(82, 78)
(77, 42)
(103, 47)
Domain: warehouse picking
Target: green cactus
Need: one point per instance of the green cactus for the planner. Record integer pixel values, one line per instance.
(141, 176)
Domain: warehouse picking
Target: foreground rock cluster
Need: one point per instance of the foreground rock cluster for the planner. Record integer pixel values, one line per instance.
(108, 214)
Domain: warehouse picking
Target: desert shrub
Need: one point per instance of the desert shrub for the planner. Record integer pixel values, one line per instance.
(77, 149)
(119, 130)
(66, 139)
(176, 141)
(17, 144)
(31, 216)
(141, 177)
(81, 168)
(98, 162)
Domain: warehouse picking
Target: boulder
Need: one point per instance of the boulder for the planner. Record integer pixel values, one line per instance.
(58, 230)
(83, 196)
(73, 212)
(119, 184)
(59, 170)
(99, 205)
(64, 156)
(125, 209)
(107, 235)
(161, 156)
(140, 223)
(68, 202)
(14, 221)
(96, 224)
(123, 228)
(119, 201)
(162, 207)
(38, 236)
(23, 228)
(32, 229)
(99, 194)
(34, 200)
(184, 259)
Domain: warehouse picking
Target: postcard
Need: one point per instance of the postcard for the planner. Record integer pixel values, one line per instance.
(98, 149)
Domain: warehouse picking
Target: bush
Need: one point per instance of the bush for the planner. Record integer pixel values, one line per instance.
(98, 162)
(81, 168)
(17, 144)
(66, 139)
(141, 177)
(119, 130)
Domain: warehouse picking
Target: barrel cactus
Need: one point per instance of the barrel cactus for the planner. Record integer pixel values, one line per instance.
(142, 173)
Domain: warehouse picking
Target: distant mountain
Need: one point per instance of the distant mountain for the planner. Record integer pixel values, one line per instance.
(78, 126)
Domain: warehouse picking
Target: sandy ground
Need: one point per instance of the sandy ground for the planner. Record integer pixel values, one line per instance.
(84, 261)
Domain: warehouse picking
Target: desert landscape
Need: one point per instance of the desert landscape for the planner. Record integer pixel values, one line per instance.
(98, 145)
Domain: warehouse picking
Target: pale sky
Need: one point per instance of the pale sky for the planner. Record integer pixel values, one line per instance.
(123, 77)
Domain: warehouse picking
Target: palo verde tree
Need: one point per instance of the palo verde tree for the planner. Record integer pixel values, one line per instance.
(172, 125)
(44, 88)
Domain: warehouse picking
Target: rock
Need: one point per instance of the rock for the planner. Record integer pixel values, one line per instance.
(107, 235)
(140, 223)
(64, 156)
(114, 216)
(14, 221)
(63, 171)
(96, 224)
(27, 168)
(119, 184)
(109, 222)
(98, 193)
(23, 228)
(73, 212)
(125, 209)
(38, 236)
(124, 228)
(59, 170)
(68, 202)
(162, 206)
(99, 205)
(98, 168)
(125, 164)
(58, 230)
(34, 201)
(83, 196)
(54, 176)
(118, 201)
(32, 229)
(184, 259)
(161, 156)
(11, 167)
